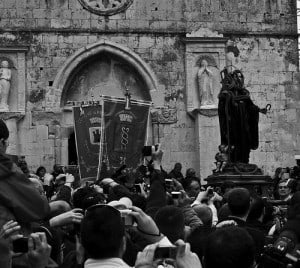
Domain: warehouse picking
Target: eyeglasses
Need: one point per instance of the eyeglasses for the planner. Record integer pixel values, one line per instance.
(282, 187)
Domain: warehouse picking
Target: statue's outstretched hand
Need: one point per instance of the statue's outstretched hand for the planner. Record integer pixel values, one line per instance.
(263, 110)
(266, 109)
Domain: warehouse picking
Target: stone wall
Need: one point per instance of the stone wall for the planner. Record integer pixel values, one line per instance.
(277, 16)
(263, 31)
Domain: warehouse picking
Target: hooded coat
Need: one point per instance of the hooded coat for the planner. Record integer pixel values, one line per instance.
(19, 201)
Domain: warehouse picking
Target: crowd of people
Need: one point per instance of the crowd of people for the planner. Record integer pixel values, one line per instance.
(146, 218)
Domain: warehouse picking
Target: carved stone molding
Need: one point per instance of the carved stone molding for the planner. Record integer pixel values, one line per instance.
(205, 57)
(105, 7)
(55, 96)
(164, 115)
(11, 115)
(15, 57)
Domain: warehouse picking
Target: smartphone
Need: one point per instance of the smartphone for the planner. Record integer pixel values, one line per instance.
(168, 182)
(147, 150)
(165, 253)
(175, 195)
(127, 219)
(20, 245)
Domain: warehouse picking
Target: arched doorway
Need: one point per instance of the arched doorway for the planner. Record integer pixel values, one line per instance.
(102, 68)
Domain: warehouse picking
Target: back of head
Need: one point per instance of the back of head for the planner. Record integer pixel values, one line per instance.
(239, 201)
(204, 213)
(102, 232)
(79, 195)
(58, 207)
(178, 166)
(190, 172)
(256, 209)
(224, 212)
(229, 247)
(170, 221)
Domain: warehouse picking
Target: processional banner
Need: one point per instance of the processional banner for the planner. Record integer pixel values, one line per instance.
(88, 130)
(125, 132)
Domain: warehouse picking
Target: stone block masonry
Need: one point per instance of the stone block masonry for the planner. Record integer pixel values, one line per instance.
(263, 31)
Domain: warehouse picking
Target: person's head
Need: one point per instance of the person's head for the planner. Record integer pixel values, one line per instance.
(229, 247)
(239, 202)
(204, 63)
(4, 64)
(22, 164)
(38, 185)
(192, 187)
(103, 232)
(4, 134)
(58, 207)
(222, 148)
(41, 171)
(204, 213)
(278, 172)
(257, 209)
(190, 172)
(283, 189)
(178, 167)
(93, 198)
(170, 221)
(79, 195)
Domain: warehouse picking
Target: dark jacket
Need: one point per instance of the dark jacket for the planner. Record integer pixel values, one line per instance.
(19, 199)
(257, 235)
(157, 196)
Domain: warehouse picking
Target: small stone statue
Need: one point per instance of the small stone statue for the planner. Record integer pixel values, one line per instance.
(222, 158)
(205, 84)
(5, 77)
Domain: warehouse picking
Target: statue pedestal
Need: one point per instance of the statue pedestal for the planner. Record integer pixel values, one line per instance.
(208, 139)
(254, 183)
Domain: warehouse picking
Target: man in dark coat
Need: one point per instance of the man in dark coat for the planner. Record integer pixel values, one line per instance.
(19, 199)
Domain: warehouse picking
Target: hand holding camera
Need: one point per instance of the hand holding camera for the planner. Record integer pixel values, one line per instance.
(156, 154)
(38, 250)
(185, 258)
(180, 254)
(126, 217)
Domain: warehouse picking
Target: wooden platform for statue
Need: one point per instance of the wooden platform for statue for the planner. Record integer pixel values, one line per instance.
(260, 184)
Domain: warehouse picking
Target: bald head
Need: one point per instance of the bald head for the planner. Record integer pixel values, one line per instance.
(204, 213)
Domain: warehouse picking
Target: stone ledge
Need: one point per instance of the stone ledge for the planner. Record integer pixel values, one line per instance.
(11, 115)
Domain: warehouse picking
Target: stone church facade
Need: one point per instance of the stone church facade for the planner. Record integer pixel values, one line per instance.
(62, 52)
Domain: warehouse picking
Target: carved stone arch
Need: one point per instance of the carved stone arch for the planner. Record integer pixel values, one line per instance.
(92, 50)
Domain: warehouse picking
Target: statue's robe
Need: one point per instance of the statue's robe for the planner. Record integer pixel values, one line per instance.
(238, 118)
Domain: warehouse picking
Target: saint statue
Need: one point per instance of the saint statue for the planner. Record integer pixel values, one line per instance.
(238, 117)
(5, 77)
(205, 85)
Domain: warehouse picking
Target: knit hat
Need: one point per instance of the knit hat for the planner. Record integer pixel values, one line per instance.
(170, 221)
(4, 132)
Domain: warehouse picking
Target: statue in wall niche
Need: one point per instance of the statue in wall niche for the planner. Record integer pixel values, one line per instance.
(205, 85)
(5, 78)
